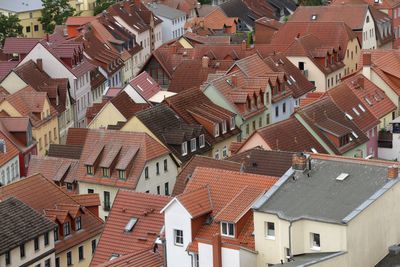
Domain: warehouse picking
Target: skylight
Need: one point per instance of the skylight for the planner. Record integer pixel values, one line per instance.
(354, 134)
(342, 176)
(149, 80)
(368, 101)
(356, 111)
(361, 107)
(348, 116)
(314, 17)
(291, 77)
(289, 82)
(129, 226)
(314, 150)
(114, 256)
(141, 89)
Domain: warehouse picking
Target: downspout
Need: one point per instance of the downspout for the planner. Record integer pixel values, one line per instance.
(191, 255)
(290, 241)
(164, 241)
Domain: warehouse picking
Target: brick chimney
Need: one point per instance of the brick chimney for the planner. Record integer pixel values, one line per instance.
(234, 79)
(216, 243)
(392, 172)
(366, 70)
(205, 61)
(174, 48)
(39, 64)
(244, 45)
(299, 161)
(360, 82)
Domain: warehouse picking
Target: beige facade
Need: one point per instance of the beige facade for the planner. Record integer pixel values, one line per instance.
(31, 27)
(352, 56)
(87, 253)
(83, 7)
(35, 258)
(108, 115)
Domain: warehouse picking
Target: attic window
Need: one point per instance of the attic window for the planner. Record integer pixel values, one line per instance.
(356, 111)
(89, 170)
(348, 116)
(368, 101)
(314, 17)
(3, 146)
(354, 134)
(122, 174)
(361, 107)
(314, 150)
(342, 176)
(227, 229)
(106, 172)
(131, 223)
(114, 256)
(232, 123)
(224, 126)
(216, 130)
(229, 82)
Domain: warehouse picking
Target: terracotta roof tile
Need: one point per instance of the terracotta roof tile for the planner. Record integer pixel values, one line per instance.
(78, 20)
(6, 67)
(41, 194)
(60, 170)
(147, 258)
(65, 151)
(127, 204)
(145, 85)
(126, 106)
(19, 45)
(87, 200)
(197, 202)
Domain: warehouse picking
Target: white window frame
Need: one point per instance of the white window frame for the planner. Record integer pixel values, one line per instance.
(313, 243)
(227, 233)
(216, 154)
(178, 234)
(225, 152)
(193, 145)
(270, 235)
(202, 141)
(216, 130)
(184, 148)
(233, 123)
(224, 126)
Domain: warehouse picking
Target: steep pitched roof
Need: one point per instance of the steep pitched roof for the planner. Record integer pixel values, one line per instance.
(19, 224)
(61, 170)
(106, 146)
(6, 67)
(147, 258)
(145, 208)
(65, 151)
(145, 85)
(41, 194)
(126, 106)
(19, 45)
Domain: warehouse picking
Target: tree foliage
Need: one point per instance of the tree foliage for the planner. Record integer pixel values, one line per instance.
(55, 12)
(102, 5)
(9, 27)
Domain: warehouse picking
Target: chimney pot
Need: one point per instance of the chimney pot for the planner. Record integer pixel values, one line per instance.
(366, 59)
(299, 161)
(205, 61)
(392, 172)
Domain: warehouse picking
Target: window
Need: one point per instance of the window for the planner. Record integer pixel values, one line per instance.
(166, 187)
(107, 204)
(22, 250)
(158, 168)
(122, 174)
(178, 237)
(146, 172)
(106, 172)
(67, 229)
(80, 251)
(93, 246)
(216, 130)
(36, 28)
(315, 241)
(165, 165)
(36, 241)
(58, 262)
(224, 126)
(276, 111)
(216, 154)
(28, 28)
(47, 263)
(78, 223)
(301, 65)
(227, 229)
(8, 258)
(193, 145)
(270, 230)
(202, 142)
(284, 108)
(56, 233)
(46, 239)
(69, 258)
(184, 148)
(232, 123)
(158, 190)
(254, 125)
(90, 191)
(224, 152)
(89, 170)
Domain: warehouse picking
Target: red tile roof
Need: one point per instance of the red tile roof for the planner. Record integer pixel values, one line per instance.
(197, 202)
(11, 150)
(147, 258)
(60, 170)
(145, 85)
(87, 200)
(44, 196)
(79, 20)
(127, 204)
(6, 67)
(126, 106)
(230, 196)
(100, 145)
(19, 45)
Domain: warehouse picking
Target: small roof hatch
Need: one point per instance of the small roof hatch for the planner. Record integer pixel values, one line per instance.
(342, 176)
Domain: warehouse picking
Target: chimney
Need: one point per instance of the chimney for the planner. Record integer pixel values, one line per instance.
(244, 45)
(173, 49)
(392, 172)
(366, 70)
(39, 64)
(234, 79)
(299, 161)
(360, 82)
(205, 61)
(198, 5)
(216, 243)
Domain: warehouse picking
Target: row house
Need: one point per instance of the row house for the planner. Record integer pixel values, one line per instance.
(16, 48)
(214, 23)
(58, 91)
(140, 21)
(380, 67)
(115, 112)
(219, 123)
(113, 160)
(35, 105)
(22, 245)
(329, 33)
(211, 222)
(77, 229)
(290, 226)
(65, 59)
(358, 17)
(322, 64)
(18, 131)
(183, 139)
(98, 84)
(189, 7)
(9, 157)
(136, 223)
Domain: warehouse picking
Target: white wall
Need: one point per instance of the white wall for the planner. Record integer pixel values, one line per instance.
(205, 255)
(289, 103)
(176, 217)
(172, 29)
(8, 169)
(369, 35)
(134, 94)
(314, 73)
(230, 258)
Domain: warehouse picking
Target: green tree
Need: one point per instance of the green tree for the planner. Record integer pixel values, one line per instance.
(55, 12)
(9, 27)
(102, 5)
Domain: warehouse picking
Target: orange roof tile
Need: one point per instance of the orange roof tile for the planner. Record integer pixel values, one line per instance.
(197, 202)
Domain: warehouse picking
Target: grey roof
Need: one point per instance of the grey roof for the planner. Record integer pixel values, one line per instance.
(237, 8)
(323, 198)
(20, 5)
(390, 260)
(309, 259)
(165, 11)
(20, 223)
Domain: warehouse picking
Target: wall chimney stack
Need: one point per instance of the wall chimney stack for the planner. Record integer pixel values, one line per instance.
(299, 162)
(392, 172)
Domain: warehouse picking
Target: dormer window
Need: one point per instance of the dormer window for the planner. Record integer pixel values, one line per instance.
(326, 62)
(227, 229)
(216, 130)
(193, 145)
(78, 223)
(89, 169)
(184, 148)
(202, 141)
(56, 233)
(106, 172)
(67, 229)
(131, 223)
(232, 124)
(224, 127)
(3, 146)
(122, 174)
(332, 59)
(344, 140)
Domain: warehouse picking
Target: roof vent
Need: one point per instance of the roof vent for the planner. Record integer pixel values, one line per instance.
(348, 116)
(129, 226)
(314, 17)
(342, 176)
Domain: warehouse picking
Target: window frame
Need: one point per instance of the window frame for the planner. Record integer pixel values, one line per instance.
(227, 228)
(78, 223)
(46, 239)
(315, 244)
(216, 130)
(146, 172)
(22, 253)
(176, 237)
(69, 258)
(193, 145)
(202, 141)
(66, 226)
(36, 242)
(268, 234)
(232, 123)
(224, 127)
(184, 148)
(81, 253)
(165, 165)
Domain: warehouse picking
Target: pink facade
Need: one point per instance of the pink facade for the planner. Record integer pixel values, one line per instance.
(372, 145)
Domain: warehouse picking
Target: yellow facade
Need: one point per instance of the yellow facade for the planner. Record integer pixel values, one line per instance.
(87, 253)
(44, 134)
(352, 56)
(83, 7)
(108, 115)
(29, 21)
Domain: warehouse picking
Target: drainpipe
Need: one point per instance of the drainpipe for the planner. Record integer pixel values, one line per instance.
(290, 241)
(164, 244)
(191, 256)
